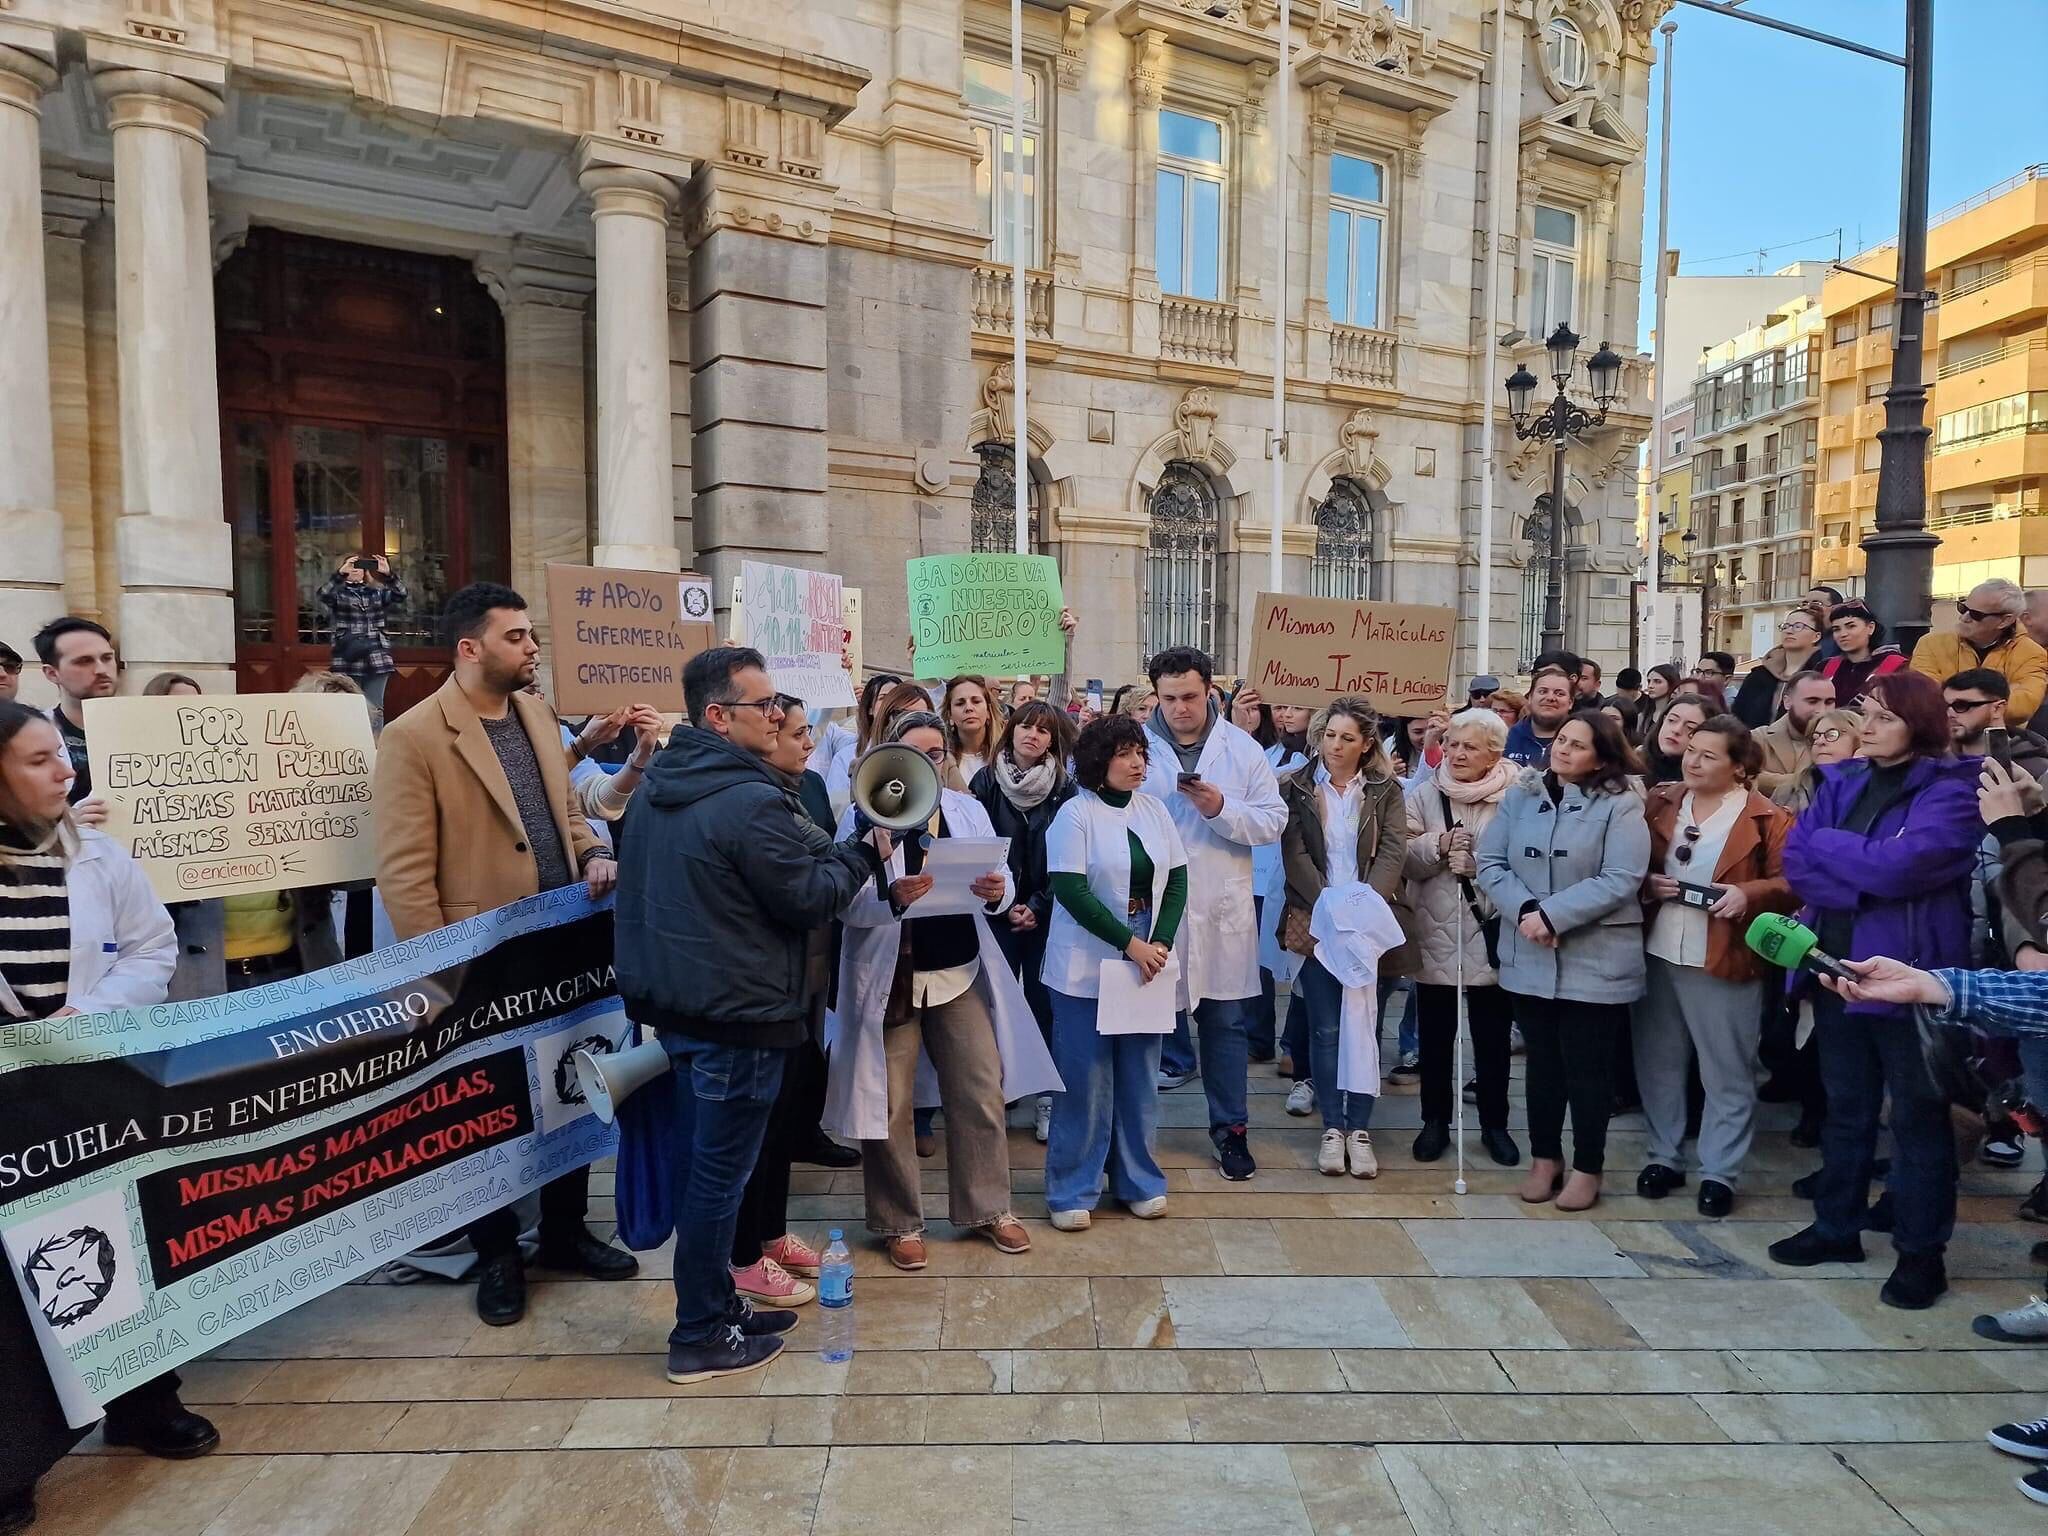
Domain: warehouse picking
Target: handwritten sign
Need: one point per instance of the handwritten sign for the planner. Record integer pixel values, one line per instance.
(623, 637)
(989, 615)
(793, 617)
(849, 612)
(1308, 650)
(248, 792)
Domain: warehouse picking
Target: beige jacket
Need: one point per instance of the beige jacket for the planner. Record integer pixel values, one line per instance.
(1441, 912)
(1786, 755)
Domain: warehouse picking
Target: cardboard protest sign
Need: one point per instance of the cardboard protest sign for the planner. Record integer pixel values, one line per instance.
(243, 792)
(1308, 650)
(849, 612)
(623, 637)
(988, 615)
(793, 617)
(175, 1175)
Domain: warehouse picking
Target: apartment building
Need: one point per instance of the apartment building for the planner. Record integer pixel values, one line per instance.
(1985, 357)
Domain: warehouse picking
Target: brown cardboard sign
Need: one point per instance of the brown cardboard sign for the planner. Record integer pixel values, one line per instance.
(623, 637)
(1309, 650)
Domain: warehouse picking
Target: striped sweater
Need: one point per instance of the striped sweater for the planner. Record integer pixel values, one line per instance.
(35, 925)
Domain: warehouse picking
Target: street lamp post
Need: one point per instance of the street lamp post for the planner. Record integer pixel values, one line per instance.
(1559, 422)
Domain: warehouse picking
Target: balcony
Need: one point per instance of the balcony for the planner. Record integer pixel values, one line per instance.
(2018, 367)
(1362, 358)
(1838, 363)
(989, 303)
(1197, 331)
(1831, 501)
(1867, 419)
(2017, 292)
(1873, 350)
(1837, 431)
(1863, 492)
(1832, 563)
(2014, 453)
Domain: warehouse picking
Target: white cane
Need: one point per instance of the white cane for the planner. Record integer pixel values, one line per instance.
(1458, 1056)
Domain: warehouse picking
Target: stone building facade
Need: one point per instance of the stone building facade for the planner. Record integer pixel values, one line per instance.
(490, 283)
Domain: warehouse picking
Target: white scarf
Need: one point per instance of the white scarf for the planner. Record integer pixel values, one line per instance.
(1026, 788)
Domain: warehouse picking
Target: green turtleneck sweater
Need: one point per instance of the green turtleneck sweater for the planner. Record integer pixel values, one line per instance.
(1086, 908)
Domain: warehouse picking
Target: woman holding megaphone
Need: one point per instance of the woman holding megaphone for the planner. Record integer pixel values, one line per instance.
(1716, 860)
(937, 986)
(1883, 859)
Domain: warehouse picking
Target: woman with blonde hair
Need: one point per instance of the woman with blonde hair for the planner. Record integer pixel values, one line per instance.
(974, 724)
(1509, 705)
(170, 685)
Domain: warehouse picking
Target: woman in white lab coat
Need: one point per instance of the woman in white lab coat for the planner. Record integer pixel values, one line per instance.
(944, 989)
(1119, 886)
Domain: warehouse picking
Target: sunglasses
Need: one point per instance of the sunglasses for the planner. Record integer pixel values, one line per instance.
(10, 669)
(1970, 615)
(1683, 852)
(1964, 706)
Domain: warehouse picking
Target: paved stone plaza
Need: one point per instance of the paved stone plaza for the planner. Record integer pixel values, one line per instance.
(1300, 1354)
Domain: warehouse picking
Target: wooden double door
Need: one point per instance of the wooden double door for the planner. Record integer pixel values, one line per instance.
(362, 410)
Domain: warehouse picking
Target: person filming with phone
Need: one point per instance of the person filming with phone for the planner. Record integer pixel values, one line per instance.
(362, 594)
(1978, 702)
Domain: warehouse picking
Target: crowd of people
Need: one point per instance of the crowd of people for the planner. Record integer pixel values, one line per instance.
(1566, 871)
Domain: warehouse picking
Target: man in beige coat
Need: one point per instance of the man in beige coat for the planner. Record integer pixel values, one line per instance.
(474, 811)
(1787, 740)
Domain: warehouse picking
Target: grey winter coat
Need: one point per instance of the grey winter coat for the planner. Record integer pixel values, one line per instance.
(1441, 911)
(1581, 863)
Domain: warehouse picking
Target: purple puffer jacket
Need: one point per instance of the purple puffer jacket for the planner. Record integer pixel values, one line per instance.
(1908, 880)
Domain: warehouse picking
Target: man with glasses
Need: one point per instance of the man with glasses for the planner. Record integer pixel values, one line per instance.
(718, 897)
(1980, 726)
(1988, 634)
(1762, 694)
(1787, 742)
(475, 811)
(1714, 667)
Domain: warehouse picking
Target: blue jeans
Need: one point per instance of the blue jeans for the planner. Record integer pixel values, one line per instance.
(1177, 1053)
(723, 1094)
(1860, 1059)
(1410, 1037)
(1226, 1061)
(1106, 1120)
(2034, 1064)
(1325, 998)
(1294, 1038)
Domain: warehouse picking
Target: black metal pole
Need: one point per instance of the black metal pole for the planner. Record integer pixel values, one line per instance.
(1899, 556)
(1553, 587)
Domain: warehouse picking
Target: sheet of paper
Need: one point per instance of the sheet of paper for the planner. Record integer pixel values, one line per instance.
(1129, 1006)
(955, 863)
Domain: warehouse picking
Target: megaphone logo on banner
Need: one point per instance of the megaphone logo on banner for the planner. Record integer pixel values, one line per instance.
(895, 787)
(609, 1077)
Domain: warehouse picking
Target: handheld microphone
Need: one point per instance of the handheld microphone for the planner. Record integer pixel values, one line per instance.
(1792, 945)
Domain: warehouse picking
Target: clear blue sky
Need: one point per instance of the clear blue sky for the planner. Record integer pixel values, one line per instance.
(1776, 139)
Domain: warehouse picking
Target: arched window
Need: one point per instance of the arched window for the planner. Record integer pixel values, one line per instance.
(1565, 47)
(995, 504)
(1181, 561)
(1345, 530)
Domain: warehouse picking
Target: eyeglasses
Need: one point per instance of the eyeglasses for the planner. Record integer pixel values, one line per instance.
(1683, 852)
(1831, 734)
(1970, 615)
(1790, 625)
(937, 756)
(1708, 674)
(771, 708)
(1964, 706)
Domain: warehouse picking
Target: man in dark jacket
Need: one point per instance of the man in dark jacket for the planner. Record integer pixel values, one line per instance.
(718, 895)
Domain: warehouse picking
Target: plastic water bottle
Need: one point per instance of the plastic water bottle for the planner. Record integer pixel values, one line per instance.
(835, 1302)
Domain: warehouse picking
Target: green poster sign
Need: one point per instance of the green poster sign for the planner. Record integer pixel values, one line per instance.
(989, 615)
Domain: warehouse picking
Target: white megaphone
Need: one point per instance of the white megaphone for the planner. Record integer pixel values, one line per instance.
(895, 787)
(608, 1077)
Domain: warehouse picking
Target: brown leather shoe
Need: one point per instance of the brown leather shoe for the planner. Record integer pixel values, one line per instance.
(907, 1251)
(1007, 1233)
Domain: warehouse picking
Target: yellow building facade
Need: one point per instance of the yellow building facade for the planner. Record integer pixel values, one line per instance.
(1986, 362)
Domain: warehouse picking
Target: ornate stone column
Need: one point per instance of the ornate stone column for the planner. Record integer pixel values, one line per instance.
(173, 550)
(31, 529)
(635, 477)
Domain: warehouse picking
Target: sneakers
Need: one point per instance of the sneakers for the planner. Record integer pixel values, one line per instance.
(731, 1353)
(794, 1255)
(1168, 1081)
(2021, 1325)
(1151, 1208)
(1301, 1101)
(2004, 1147)
(1041, 1122)
(1359, 1147)
(2035, 1486)
(1409, 1071)
(2027, 1440)
(2035, 1206)
(1917, 1282)
(1234, 1155)
(1330, 1155)
(1070, 1221)
(1007, 1233)
(769, 1283)
(1804, 1249)
(907, 1251)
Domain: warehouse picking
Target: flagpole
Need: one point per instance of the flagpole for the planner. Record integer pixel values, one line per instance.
(1661, 362)
(1284, 90)
(1019, 288)
(1495, 195)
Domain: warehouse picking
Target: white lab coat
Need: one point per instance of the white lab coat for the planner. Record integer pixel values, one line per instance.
(857, 1072)
(1219, 943)
(1353, 926)
(123, 947)
(1269, 884)
(1091, 837)
(832, 761)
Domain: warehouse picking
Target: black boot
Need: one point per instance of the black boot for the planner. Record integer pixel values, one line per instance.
(1803, 1250)
(1433, 1142)
(501, 1290)
(1500, 1146)
(583, 1254)
(175, 1434)
(1917, 1282)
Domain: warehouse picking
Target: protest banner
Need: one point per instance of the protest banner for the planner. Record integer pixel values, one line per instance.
(987, 615)
(173, 1176)
(856, 649)
(1308, 650)
(243, 792)
(793, 617)
(624, 637)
